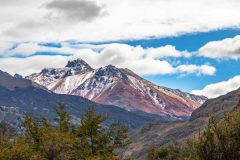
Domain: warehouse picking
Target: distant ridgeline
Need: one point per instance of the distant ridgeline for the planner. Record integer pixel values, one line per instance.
(160, 134)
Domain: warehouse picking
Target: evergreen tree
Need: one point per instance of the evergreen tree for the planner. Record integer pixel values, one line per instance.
(33, 132)
(219, 141)
(96, 139)
(63, 118)
(6, 130)
(91, 133)
(91, 140)
(118, 135)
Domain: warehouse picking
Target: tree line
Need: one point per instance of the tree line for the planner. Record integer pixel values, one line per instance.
(91, 140)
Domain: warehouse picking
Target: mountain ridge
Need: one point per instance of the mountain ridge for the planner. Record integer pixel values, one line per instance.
(158, 134)
(119, 87)
(31, 98)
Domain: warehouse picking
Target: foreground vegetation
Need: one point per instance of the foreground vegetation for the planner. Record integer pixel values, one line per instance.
(91, 140)
(219, 141)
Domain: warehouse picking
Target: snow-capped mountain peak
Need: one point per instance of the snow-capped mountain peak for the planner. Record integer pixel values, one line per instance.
(111, 71)
(74, 67)
(116, 86)
(78, 63)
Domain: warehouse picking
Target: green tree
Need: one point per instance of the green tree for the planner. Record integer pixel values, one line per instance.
(91, 133)
(96, 139)
(63, 118)
(91, 140)
(12, 146)
(6, 130)
(118, 136)
(220, 140)
(33, 132)
(171, 152)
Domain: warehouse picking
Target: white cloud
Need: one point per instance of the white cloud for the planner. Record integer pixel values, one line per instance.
(166, 51)
(34, 64)
(198, 70)
(24, 49)
(220, 88)
(76, 10)
(149, 66)
(125, 56)
(140, 60)
(225, 49)
(4, 46)
(29, 48)
(125, 19)
(143, 61)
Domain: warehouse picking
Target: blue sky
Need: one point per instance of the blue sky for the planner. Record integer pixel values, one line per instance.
(185, 45)
(191, 42)
(226, 68)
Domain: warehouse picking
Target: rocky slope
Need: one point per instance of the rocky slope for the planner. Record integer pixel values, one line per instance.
(161, 133)
(116, 86)
(26, 97)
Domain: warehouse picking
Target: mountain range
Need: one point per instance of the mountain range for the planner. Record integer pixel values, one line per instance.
(151, 112)
(117, 86)
(19, 96)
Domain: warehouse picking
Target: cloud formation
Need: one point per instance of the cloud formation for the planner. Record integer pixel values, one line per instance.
(14, 2)
(77, 10)
(217, 89)
(30, 48)
(225, 49)
(198, 70)
(31, 20)
(166, 51)
(29, 65)
(144, 61)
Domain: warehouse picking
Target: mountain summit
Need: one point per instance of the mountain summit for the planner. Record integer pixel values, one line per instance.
(74, 67)
(117, 86)
(79, 64)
